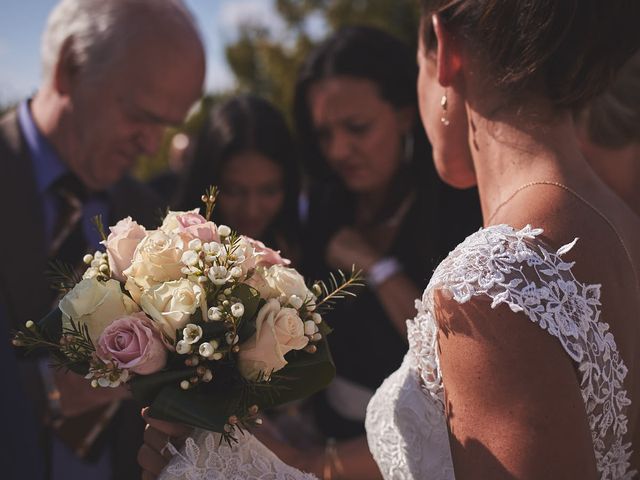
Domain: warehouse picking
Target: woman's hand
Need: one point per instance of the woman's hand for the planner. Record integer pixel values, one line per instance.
(77, 396)
(347, 247)
(154, 455)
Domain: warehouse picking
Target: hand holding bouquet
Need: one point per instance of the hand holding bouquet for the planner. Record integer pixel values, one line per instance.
(206, 326)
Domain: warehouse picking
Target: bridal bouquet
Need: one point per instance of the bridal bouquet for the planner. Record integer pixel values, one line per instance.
(206, 326)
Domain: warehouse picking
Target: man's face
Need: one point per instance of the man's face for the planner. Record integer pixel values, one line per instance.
(122, 114)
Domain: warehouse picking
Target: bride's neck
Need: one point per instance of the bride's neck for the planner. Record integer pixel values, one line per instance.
(512, 149)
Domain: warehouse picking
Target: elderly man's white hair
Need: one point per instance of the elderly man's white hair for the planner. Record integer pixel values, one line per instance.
(99, 29)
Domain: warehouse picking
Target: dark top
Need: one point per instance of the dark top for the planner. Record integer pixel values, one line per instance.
(366, 347)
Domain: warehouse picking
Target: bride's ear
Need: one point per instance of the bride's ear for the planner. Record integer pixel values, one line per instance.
(448, 55)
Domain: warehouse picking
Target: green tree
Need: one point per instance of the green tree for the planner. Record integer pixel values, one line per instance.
(266, 64)
(5, 107)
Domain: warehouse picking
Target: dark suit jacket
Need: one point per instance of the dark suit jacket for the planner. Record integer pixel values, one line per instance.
(25, 293)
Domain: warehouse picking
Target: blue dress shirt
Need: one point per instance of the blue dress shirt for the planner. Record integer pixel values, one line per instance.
(48, 168)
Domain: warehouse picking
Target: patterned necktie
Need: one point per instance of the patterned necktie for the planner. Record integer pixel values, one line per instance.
(68, 245)
(68, 242)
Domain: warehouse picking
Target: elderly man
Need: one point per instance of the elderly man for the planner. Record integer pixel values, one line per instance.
(116, 73)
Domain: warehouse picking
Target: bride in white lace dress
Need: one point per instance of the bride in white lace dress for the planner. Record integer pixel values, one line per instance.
(524, 358)
(525, 354)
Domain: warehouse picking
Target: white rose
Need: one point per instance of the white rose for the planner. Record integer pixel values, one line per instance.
(121, 245)
(156, 260)
(288, 282)
(171, 304)
(96, 305)
(278, 331)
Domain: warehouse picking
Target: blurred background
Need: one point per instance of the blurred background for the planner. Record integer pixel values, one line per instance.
(252, 46)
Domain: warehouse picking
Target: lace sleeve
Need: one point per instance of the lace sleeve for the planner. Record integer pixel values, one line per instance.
(514, 268)
(204, 457)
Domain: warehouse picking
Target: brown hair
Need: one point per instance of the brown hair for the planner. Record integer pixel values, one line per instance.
(567, 49)
(613, 118)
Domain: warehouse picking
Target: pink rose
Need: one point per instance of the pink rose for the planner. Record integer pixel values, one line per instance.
(190, 225)
(195, 226)
(278, 331)
(133, 342)
(121, 245)
(266, 256)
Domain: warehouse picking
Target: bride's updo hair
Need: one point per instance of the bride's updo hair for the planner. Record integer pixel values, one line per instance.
(567, 50)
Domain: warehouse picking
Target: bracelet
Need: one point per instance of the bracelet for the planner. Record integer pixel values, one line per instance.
(332, 462)
(382, 270)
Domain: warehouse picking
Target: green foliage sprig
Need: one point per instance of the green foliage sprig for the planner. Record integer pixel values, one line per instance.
(209, 199)
(62, 276)
(97, 222)
(74, 349)
(339, 287)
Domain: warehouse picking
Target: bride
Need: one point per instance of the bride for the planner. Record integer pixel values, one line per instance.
(524, 358)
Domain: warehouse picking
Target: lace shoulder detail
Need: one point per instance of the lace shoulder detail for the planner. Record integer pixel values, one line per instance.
(514, 268)
(204, 457)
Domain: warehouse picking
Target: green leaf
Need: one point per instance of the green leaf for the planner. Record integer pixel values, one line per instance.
(305, 375)
(214, 330)
(145, 388)
(199, 409)
(51, 329)
(249, 297)
(308, 373)
(252, 302)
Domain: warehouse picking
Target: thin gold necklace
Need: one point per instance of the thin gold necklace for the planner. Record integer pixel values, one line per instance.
(583, 200)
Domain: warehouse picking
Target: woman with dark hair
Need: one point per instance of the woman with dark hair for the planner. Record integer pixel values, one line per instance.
(376, 202)
(245, 148)
(524, 358)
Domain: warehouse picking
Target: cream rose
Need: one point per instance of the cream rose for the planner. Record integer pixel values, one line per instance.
(121, 245)
(96, 305)
(156, 260)
(278, 331)
(171, 304)
(288, 282)
(259, 281)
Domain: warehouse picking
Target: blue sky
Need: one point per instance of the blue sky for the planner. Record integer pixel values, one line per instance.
(22, 21)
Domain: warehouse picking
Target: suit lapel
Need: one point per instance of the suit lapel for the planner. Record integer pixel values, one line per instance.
(23, 258)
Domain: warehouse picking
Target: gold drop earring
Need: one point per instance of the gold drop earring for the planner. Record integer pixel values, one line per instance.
(444, 103)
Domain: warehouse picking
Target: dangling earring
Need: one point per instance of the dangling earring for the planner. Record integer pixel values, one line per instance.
(444, 103)
(408, 143)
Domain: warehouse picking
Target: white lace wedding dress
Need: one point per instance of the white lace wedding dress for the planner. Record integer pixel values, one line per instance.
(406, 426)
(204, 457)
